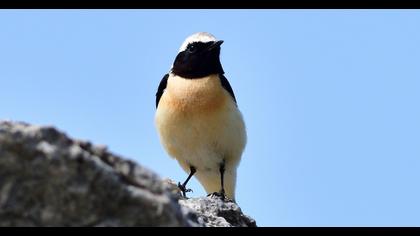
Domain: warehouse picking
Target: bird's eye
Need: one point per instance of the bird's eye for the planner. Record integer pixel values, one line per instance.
(191, 48)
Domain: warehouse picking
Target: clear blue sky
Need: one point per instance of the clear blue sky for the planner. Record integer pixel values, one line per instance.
(330, 99)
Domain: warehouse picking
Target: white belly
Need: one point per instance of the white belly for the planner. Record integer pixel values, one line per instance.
(202, 140)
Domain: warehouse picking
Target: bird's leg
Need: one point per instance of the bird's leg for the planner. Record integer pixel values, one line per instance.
(183, 186)
(221, 193)
(222, 173)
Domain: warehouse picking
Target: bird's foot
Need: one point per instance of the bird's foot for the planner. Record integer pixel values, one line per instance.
(221, 194)
(183, 189)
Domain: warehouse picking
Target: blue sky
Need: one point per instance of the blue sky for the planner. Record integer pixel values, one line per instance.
(330, 99)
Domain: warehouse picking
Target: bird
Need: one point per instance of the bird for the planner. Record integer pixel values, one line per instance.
(198, 119)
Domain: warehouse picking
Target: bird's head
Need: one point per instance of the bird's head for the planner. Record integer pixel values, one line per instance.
(198, 57)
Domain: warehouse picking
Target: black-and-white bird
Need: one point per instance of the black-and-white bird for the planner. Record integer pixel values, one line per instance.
(198, 119)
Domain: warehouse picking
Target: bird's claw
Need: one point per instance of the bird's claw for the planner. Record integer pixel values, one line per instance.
(183, 189)
(221, 194)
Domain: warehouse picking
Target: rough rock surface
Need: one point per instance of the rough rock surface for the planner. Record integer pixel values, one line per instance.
(49, 179)
(213, 211)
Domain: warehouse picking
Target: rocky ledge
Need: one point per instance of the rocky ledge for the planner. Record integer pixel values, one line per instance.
(50, 179)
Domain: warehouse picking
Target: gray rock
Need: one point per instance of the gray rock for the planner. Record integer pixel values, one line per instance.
(49, 179)
(212, 211)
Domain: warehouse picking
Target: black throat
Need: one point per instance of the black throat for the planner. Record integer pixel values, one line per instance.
(198, 60)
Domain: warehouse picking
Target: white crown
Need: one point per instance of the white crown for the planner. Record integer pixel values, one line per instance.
(197, 37)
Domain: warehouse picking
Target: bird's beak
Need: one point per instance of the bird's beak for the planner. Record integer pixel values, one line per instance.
(215, 45)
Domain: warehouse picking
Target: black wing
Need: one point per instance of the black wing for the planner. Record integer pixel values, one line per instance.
(161, 88)
(226, 85)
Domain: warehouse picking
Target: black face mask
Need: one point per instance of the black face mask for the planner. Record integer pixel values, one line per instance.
(198, 60)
